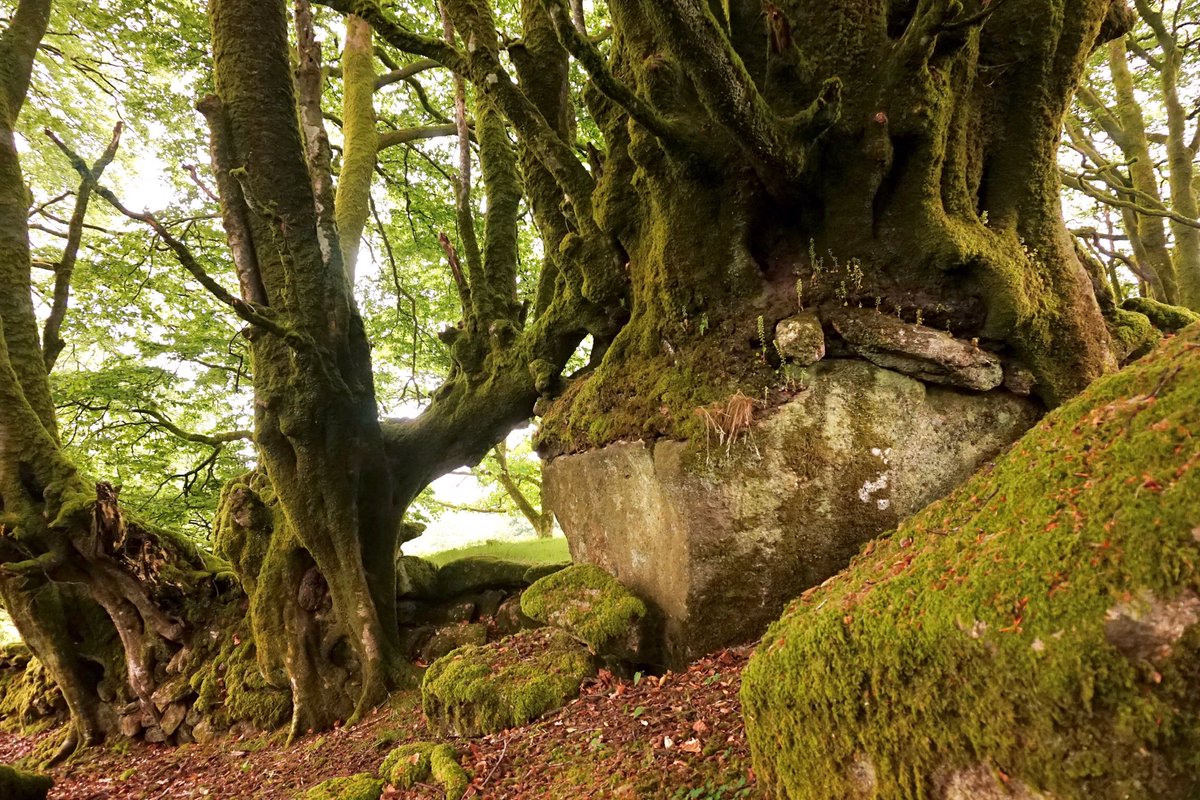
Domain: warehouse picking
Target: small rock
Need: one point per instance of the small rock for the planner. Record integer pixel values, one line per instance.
(406, 612)
(510, 618)
(173, 717)
(1018, 379)
(203, 732)
(929, 355)
(462, 611)
(449, 639)
(416, 578)
(155, 735)
(801, 339)
(588, 603)
(130, 725)
(488, 603)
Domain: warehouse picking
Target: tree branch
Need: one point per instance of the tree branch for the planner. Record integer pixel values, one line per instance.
(249, 312)
(52, 342)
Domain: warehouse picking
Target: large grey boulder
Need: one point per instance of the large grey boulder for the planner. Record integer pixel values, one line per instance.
(926, 353)
(719, 542)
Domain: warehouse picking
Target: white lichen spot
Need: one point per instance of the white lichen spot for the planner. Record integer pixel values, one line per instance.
(492, 79)
(1038, 646)
(884, 504)
(870, 488)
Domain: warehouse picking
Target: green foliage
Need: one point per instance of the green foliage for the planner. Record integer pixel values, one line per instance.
(988, 628)
(587, 603)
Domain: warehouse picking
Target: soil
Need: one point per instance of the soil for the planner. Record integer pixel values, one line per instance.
(678, 735)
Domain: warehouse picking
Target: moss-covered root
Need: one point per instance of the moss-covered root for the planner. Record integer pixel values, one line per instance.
(1162, 316)
(15, 785)
(363, 786)
(586, 602)
(1039, 627)
(478, 690)
(416, 762)
(443, 763)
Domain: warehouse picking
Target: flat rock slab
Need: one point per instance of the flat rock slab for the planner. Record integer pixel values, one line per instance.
(718, 541)
(924, 353)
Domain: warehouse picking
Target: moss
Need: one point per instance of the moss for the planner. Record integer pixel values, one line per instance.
(485, 689)
(586, 602)
(415, 578)
(407, 765)
(979, 634)
(28, 697)
(15, 785)
(363, 786)
(539, 571)
(1133, 334)
(443, 763)
(416, 762)
(477, 573)
(229, 682)
(1165, 317)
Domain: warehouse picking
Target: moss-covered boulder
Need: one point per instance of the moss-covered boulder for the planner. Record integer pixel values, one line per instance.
(1035, 632)
(416, 578)
(486, 689)
(17, 785)
(363, 786)
(586, 602)
(417, 762)
(478, 573)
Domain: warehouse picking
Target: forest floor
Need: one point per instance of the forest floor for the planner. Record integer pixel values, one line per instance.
(677, 737)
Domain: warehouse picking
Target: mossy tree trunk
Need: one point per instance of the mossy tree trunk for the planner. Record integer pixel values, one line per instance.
(894, 153)
(55, 529)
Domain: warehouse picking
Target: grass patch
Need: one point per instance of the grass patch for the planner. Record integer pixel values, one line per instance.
(533, 551)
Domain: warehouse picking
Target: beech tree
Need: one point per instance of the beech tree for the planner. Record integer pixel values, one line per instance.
(725, 164)
(1144, 169)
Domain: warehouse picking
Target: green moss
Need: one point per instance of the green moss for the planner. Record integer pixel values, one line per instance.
(407, 765)
(985, 633)
(485, 689)
(15, 785)
(363, 786)
(1132, 332)
(27, 696)
(443, 763)
(229, 681)
(416, 762)
(586, 602)
(415, 578)
(539, 571)
(1162, 316)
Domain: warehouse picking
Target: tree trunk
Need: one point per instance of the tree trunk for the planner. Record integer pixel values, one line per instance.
(917, 174)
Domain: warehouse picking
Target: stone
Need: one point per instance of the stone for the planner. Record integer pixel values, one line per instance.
(539, 571)
(1033, 635)
(413, 639)
(801, 339)
(453, 637)
(416, 578)
(477, 573)
(588, 603)
(461, 611)
(173, 690)
(924, 353)
(477, 690)
(154, 735)
(203, 732)
(1019, 379)
(488, 603)
(130, 724)
(510, 618)
(18, 785)
(407, 612)
(173, 717)
(718, 542)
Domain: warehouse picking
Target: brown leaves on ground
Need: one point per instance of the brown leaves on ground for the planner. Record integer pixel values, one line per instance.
(646, 737)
